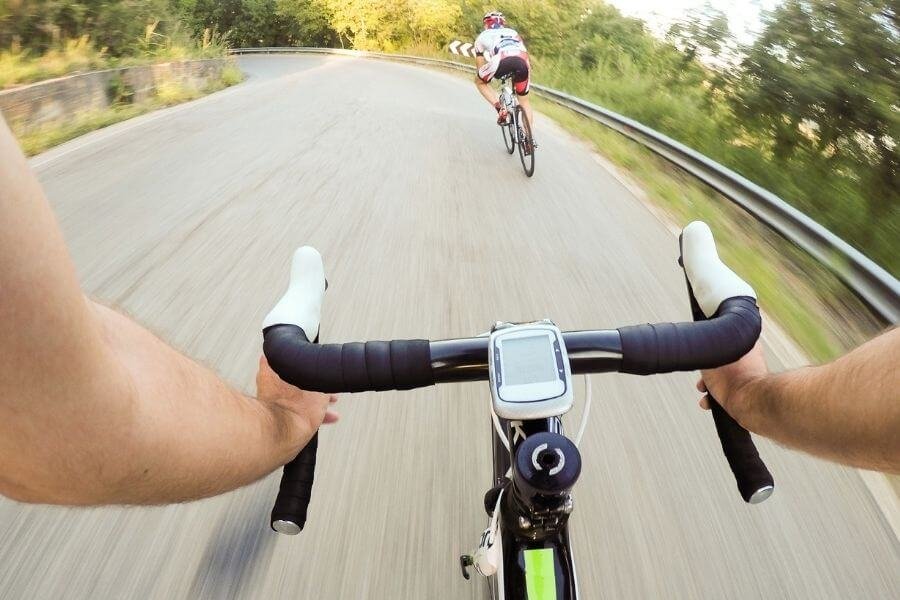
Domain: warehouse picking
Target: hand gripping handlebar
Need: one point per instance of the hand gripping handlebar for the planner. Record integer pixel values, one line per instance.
(726, 326)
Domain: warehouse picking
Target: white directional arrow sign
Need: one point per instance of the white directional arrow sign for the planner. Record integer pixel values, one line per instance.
(462, 48)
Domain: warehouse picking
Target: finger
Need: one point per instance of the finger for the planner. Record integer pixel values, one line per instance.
(264, 366)
(704, 402)
(331, 417)
(332, 399)
(701, 386)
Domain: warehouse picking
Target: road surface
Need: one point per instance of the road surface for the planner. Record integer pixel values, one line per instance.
(187, 218)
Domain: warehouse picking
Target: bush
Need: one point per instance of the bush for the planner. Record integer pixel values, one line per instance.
(231, 75)
(18, 66)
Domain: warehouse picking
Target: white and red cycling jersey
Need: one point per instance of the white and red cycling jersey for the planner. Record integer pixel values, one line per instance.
(505, 53)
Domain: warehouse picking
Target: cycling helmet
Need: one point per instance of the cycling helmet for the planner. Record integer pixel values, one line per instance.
(493, 20)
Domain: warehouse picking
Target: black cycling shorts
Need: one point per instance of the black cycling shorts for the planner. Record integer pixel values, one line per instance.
(519, 68)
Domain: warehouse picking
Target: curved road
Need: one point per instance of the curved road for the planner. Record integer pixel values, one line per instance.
(186, 219)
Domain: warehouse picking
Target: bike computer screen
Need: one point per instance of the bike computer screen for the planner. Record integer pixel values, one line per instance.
(530, 375)
(528, 359)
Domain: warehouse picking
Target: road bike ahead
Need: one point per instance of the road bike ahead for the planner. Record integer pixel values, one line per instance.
(517, 128)
(525, 550)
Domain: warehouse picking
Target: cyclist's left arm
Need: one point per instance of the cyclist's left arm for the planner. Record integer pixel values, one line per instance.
(95, 409)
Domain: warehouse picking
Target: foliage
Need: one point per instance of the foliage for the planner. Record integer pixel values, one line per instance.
(819, 88)
(21, 66)
(392, 24)
(41, 25)
(811, 112)
(702, 31)
(806, 299)
(231, 75)
(310, 23)
(30, 60)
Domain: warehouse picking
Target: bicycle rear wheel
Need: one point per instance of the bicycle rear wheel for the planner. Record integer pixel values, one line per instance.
(526, 147)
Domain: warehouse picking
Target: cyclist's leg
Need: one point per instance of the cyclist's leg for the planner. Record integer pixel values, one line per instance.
(522, 85)
(526, 106)
(489, 93)
(483, 82)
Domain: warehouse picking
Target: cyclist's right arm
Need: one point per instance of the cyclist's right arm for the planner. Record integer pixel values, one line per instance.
(846, 411)
(94, 409)
(481, 46)
(482, 43)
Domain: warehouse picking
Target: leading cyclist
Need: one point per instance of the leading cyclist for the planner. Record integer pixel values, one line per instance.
(501, 51)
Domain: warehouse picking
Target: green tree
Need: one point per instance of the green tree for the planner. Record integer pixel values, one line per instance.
(115, 25)
(547, 26)
(824, 74)
(818, 92)
(218, 15)
(606, 36)
(704, 32)
(392, 24)
(368, 24)
(433, 22)
(309, 22)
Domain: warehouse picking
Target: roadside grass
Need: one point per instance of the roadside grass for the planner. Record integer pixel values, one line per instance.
(20, 67)
(841, 193)
(231, 75)
(40, 139)
(808, 301)
(43, 138)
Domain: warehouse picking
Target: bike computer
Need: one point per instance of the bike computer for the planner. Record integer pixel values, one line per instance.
(529, 371)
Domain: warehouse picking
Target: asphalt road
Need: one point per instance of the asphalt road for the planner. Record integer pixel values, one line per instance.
(187, 218)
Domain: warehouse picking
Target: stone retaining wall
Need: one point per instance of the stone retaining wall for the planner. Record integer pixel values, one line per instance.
(41, 103)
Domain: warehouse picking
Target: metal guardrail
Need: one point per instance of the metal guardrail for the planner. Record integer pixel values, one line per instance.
(878, 288)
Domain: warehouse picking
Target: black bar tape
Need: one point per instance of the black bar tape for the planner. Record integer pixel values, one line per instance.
(753, 479)
(353, 363)
(407, 363)
(378, 366)
(326, 359)
(295, 491)
(356, 367)
(749, 470)
(667, 347)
